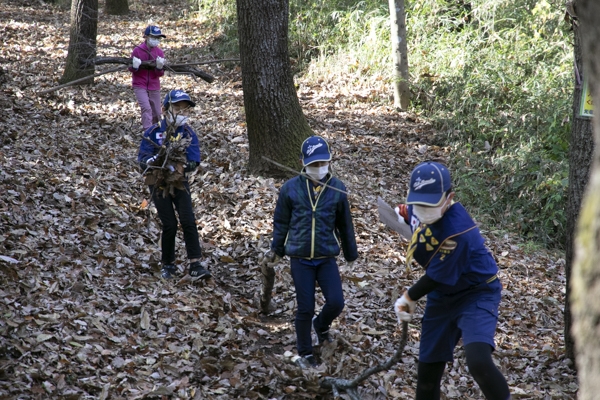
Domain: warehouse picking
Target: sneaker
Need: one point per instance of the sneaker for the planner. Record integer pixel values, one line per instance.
(322, 336)
(168, 271)
(197, 271)
(307, 361)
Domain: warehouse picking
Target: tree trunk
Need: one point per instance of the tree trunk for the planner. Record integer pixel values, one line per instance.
(82, 41)
(116, 7)
(585, 283)
(275, 122)
(580, 158)
(399, 54)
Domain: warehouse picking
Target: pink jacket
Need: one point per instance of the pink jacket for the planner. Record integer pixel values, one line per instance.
(146, 78)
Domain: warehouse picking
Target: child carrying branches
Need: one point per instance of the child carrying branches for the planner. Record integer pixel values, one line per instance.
(168, 152)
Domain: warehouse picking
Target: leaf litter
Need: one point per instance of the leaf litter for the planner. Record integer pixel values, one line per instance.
(84, 312)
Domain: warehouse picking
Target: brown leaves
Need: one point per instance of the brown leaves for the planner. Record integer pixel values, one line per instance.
(84, 312)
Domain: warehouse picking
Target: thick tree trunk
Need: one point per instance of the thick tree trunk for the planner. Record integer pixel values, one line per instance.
(276, 125)
(82, 41)
(585, 284)
(580, 159)
(116, 7)
(399, 54)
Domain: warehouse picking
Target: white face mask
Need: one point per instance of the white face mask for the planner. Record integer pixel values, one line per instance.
(429, 215)
(317, 173)
(179, 120)
(152, 42)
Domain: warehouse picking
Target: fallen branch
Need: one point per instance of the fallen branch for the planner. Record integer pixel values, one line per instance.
(350, 386)
(177, 68)
(76, 81)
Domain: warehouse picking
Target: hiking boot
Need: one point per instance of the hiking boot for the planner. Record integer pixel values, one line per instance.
(197, 271)
(322, 336)
(168, 271)
(307, 361)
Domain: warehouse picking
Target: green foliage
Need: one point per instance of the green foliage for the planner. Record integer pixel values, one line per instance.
(494, 76)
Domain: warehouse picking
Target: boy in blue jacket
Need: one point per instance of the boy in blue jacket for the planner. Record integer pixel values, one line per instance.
(311, 224)
(460, 281)
(168, 152)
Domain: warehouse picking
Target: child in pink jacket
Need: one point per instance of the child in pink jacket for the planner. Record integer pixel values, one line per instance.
(146, 79)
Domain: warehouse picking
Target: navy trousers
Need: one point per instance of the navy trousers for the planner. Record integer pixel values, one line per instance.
(166, 206)
(306, 273)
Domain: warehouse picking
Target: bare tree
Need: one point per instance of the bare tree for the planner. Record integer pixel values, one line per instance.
(275, 122)
(580, 158)
(116, 7)
(399, 54)
(585, 283)
(82, 41)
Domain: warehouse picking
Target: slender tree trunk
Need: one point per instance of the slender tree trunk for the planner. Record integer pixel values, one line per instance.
(276, 125)
(585, 284)
(399, 54)
(580, 158)
(82, 41)
(116, 7)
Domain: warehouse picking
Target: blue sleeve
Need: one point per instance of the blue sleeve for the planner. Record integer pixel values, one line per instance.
(147, 148)
(281, 221)
(193, 150)
(345, 228)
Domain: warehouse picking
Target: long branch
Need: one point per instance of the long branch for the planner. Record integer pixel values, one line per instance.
(76, 81)
(350, 385)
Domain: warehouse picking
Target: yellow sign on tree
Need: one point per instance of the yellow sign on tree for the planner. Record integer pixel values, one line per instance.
(587, 106)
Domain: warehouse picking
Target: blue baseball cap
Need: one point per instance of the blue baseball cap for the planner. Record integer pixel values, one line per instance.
(177, 95)
(153, 30)
(315, 148)
(428, 183)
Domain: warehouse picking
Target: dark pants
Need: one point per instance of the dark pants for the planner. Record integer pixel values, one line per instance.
(182, 200)
(305, 273)
(481, 366)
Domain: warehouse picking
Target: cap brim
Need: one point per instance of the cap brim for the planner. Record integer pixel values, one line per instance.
(191, 103)
(424, 199)
(309, 160)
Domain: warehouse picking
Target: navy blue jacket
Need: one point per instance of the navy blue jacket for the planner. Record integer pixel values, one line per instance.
(156, 133)
(309, 227)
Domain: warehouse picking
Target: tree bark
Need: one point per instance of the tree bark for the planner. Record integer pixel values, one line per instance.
(585, 284)
(275, 122)
(82, 41)
(116, 7)
(399, 54)
(580, 159)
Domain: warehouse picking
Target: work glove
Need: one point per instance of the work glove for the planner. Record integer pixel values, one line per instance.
(349, 264)
(151, 160)
(136, 62)
(160, 62)
(270, 259)
(402, 212)
(404, 308)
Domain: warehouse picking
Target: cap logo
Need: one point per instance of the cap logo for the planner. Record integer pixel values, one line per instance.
(311, 149)
(419, 183)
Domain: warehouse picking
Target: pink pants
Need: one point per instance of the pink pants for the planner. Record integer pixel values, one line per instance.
(150, 105)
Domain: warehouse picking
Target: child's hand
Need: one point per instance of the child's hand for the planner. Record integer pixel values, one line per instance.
(270, 259)
(404, 308)
(136, 62)
(160, 62)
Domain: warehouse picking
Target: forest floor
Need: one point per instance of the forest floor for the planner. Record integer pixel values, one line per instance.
(84, 313)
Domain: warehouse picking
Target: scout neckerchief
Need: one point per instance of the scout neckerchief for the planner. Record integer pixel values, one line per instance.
(429, 240)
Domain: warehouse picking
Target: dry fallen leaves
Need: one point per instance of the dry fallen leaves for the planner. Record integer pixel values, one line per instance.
(84, 313)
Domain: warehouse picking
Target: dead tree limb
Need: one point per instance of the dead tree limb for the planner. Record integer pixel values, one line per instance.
(177, 68)
(351, 386)
(267, 277)
(76, 81)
